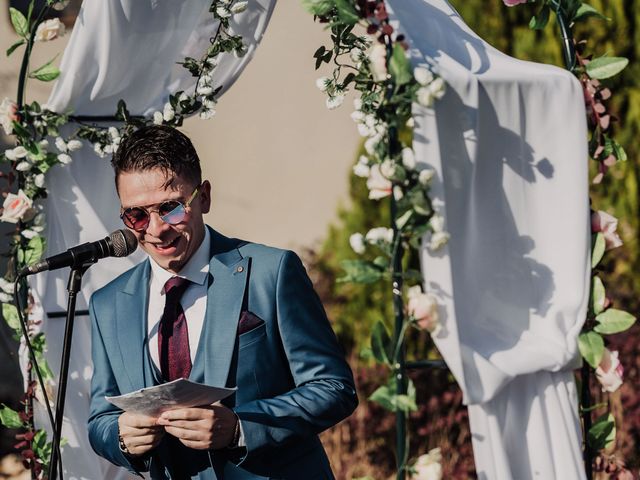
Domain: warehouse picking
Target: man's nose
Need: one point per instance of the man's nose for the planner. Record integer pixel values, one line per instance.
(156, 224)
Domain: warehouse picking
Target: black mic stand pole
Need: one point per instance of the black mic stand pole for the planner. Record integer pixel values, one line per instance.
(73, 287)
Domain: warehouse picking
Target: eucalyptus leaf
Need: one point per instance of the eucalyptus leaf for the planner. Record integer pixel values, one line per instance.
(384, 397)
(34, 250)
(598, 247)
(10, 418)
(359, 271)
(614, 321)
(399, 66)
(598, 295)
(19, 22)
(586, 10)
(602, 433)
(381, 343)
(540, 20)
(13, 47)
(46, 72)
(606, 67)
(591, 347)
(10, 314)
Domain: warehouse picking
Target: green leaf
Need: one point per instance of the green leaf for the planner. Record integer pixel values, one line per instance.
(585, 10)
(40, 446)
(10, 418)
(19, 22)
(606, 67)
(619, 152)
(387, 397)
(402, 221)
(540, 20)
(602, 433)
(384, 397)
(318, 7)
(10, 314)
(123, 112)
(399, 66)
(598, 295)
(12, 48)
(34, 250)
(591, 347)
(614, 321)
(359, 271)
(598, 247)
(46, 72)
(346, 13)
(381, 343)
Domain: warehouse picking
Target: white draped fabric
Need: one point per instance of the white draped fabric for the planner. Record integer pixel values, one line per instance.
(508, 143)
(119, 49)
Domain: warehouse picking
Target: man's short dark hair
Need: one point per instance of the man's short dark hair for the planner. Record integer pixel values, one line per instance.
(158, 146)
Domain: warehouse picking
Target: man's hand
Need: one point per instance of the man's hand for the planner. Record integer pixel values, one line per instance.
(202, 428)
(139, 433)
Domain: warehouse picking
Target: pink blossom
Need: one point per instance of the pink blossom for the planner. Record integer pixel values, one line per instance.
(609, 372)
(423, 307)
(513, 3)
(607, 224)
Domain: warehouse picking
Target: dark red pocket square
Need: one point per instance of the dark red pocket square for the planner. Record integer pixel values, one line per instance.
(248, 321)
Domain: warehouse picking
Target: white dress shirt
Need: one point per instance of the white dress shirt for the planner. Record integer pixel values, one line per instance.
(193, 301)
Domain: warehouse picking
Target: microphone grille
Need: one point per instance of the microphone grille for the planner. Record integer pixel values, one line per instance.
(124, 243)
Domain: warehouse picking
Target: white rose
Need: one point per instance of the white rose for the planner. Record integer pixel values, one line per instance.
(357, 104)
(356, 55)
(388, 168)
(61, 145)
(437, 223)
(379, 234)
(208, 104)
(609, 373)
(205, 90)
(114, 133)
(370, 145)
(378, 62)
(98, 148)
(20, 152)
(323, 83)
(74, 145)
(365, 131)
(361, 170)
(408, 158)
(39, 180)
(425, 97)
(357, 243)
(437, 87)
(425, 176)
(23, 166)
(378, 185)
(423, 75)
(168, 113)
(428, 467)
(44, 143)
(438, 240)
(157, 118)
(108, 149)
(239, 7)
(64, 159)
(49, 30)
(357, 116)
(8, 114)
(16, 207)
(335, 101)
(207, 114)
(397, 192)
(423, 307)
(411, 123)
(10, 154)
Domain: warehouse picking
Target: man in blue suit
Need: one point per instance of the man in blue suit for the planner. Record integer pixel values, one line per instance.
(219, 311)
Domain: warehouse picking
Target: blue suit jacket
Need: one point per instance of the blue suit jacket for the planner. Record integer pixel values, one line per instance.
(292, 379)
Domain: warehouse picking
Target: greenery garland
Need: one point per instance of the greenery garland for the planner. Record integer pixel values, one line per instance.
(39, 146)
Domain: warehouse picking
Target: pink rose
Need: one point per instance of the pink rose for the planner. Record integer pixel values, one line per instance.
(607, 224)
(379, 186)
(513, 3)
(609, 372)
(423, 307)
(50, 30)
(17, 207)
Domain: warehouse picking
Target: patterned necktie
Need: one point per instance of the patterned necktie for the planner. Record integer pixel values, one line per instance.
(173, 336)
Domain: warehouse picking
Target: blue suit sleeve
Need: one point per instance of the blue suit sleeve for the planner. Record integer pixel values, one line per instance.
(103, 416)
(324, 391)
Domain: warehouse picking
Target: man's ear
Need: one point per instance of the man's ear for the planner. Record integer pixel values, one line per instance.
(205, 196)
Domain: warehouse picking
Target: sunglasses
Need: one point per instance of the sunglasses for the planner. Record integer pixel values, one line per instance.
(172, 212)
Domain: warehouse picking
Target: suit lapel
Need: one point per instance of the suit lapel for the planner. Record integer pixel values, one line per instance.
(228, 273)
(131, 325)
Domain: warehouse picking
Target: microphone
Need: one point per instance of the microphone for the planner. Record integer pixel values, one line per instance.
(117, 244)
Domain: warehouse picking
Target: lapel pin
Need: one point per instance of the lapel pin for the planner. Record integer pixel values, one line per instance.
(239, 269)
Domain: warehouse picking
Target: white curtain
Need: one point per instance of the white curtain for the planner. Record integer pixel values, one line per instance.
(508, 143)
(119, 49)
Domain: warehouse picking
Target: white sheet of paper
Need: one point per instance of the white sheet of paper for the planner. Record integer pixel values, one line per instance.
(179, 393)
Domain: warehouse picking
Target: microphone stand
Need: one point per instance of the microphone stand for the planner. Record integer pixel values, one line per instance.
(73, 287)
